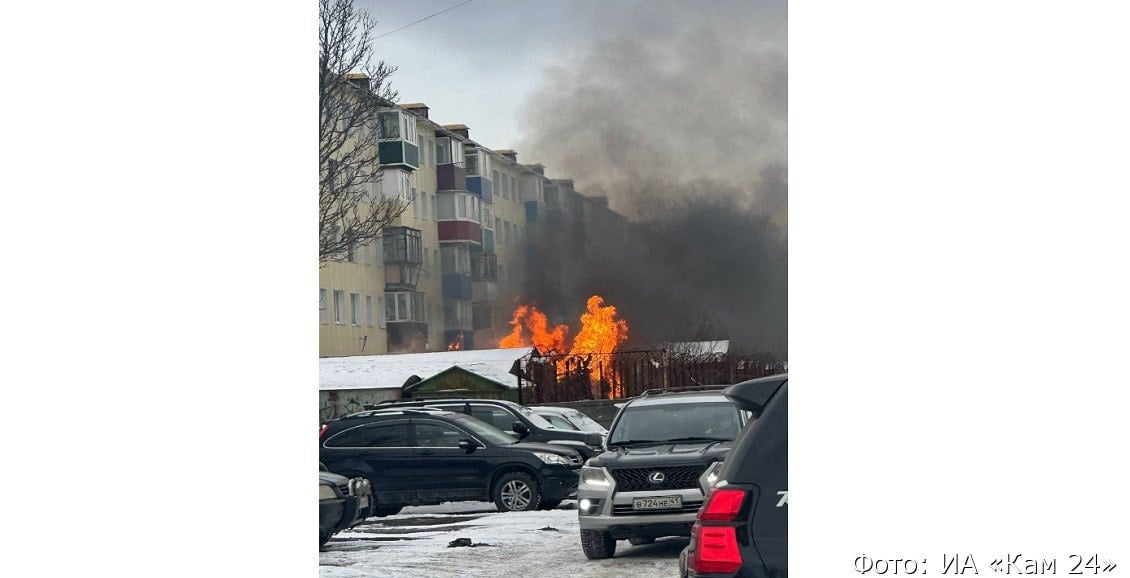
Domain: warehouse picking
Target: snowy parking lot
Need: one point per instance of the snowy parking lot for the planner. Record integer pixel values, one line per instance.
(537, 544)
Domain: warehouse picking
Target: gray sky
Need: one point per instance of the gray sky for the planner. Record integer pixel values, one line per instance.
(635, 99)
(476, 64)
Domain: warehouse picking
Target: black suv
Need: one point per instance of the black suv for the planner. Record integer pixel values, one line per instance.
(663, 453)
(510, 417)
(417, 456)
(743, 529)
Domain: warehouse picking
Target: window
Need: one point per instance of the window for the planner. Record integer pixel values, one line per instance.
(372, 436)
(351, 254)
(369, 310)
(495, 416)
(404, 306)
(354, 308)
(432, 150)
(389, 123)
(435, 211)
(437, 435)
(446, 202)
(381, 313)
(424, 209)
(443, 151)
(323, 305)
(339, 306)
(498, 224)
(420, 143)
(415, 204)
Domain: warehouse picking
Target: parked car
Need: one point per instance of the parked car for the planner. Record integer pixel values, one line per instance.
(419, 455)
(569, 418)
(662, 455)
(343, 502)
(511, 417)
(742, 530)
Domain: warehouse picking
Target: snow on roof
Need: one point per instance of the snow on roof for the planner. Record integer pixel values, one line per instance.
(700, 347)
(391, 371)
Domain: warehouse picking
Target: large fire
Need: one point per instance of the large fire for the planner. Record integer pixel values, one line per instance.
(601, 334)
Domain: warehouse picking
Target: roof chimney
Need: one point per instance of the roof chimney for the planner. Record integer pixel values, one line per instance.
(417, 108)
(459, 129)
(358, 79)
(509, 153)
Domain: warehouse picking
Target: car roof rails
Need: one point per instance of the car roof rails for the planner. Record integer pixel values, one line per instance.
(689, 388)
(391, 410)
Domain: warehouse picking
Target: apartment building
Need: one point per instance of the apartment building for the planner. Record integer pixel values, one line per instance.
(448, 272)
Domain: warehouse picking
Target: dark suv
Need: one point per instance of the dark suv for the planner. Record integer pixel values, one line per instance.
(511, 417)
(417, 456)
(742, 530)
(663, 453)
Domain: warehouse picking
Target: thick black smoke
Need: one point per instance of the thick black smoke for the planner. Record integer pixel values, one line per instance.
(677, 112)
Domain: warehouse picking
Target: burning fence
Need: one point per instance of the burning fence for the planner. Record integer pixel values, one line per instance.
(593, 367)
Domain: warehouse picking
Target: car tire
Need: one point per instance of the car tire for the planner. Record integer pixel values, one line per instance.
(597, 545)
(638, 541)
(516, 492)
(549, 504)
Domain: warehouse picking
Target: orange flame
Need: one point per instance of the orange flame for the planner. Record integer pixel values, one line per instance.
(600, 335)
(537, 325)
(600, 331)
(457, 344)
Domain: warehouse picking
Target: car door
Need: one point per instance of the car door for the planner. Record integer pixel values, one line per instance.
(444, 470)
(381, 452)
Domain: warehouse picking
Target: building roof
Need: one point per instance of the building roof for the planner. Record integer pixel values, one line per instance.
(391, 371)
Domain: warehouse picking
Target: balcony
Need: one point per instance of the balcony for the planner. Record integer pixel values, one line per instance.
(467, 231)
(402, 258)
(398, 140)
(457, 286)
(451, 177)
(483, 316)
(488, 241)
(407, 337)
(480, 186)
(400, 154)
(484, 266)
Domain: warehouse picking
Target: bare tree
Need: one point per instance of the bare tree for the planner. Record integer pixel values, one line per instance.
(351, 91)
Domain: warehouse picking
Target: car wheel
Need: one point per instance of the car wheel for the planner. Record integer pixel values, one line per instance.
(549, 504)
(597, 545)
(516, 492)
(637, 541)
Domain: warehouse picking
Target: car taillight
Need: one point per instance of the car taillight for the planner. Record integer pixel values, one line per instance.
(322, 432)
(723, 505)
(716, 547)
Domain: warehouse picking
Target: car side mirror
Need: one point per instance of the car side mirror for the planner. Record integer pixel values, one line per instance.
(520, 429)
(467, 445)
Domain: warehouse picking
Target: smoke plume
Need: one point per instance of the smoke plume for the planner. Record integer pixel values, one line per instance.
(677, 112)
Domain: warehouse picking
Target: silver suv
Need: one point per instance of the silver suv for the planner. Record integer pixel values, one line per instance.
(662, 454)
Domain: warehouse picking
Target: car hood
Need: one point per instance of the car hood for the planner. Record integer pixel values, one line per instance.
(548, 448)
(332, 479)
(649, 455)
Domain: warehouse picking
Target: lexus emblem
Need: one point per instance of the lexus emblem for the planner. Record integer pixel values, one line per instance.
(657, 477)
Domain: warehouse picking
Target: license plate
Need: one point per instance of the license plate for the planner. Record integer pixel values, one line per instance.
(657, 503)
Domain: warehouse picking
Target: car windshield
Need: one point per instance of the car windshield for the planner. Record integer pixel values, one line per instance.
(676, 422)
(558, 421)
(538, 421)
(584, 422)
(484, 431)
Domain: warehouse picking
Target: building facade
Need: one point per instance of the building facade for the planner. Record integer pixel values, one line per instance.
(448, 271)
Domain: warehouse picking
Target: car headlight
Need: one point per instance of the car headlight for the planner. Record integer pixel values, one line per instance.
(326, 492)
(552, 458)
(594, 477)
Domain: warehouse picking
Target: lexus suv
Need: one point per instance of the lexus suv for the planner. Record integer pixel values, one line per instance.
(420, 456)
(662, 455)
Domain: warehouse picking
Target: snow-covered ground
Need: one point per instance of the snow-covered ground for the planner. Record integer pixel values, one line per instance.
(415, 543)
